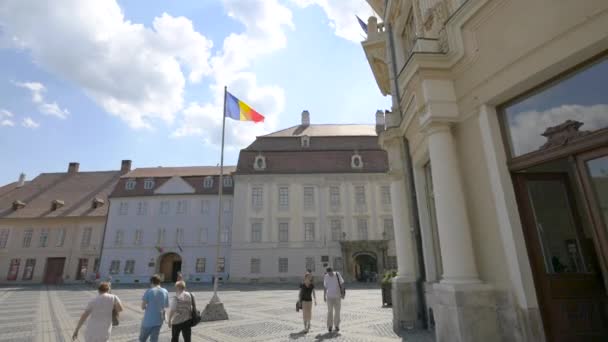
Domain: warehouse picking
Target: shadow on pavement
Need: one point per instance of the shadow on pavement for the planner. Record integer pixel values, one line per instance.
(327, 336)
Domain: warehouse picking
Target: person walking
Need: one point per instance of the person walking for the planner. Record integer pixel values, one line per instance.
(154, 302)
(332, 295)
(307, 294)
(99, 313)
(180, 313)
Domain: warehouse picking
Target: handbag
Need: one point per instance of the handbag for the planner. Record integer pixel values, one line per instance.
(114, 314)
(299, 302)
(196, 315)
(341, 285)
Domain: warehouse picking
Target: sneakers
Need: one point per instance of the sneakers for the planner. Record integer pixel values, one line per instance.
(329, 329)
(337, 329)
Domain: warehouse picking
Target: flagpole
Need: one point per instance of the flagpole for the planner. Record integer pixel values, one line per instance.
(215, 298)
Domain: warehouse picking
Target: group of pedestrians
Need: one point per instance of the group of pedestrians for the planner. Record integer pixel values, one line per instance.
(333, 293)
(103, 311)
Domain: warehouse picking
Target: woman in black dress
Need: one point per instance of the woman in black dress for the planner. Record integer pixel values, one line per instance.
(307, 294)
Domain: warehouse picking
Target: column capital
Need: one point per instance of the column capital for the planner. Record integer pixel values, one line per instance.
(436, 126)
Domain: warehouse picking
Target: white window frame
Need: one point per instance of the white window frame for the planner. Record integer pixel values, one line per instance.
(309, 231)
(129, 267)
(148, 183)
(227, 180)
(165, 207)
(60, 238)
(221, 265)
(119, 237)
(385, 195)
(28, 236)
(208, 182)
(360, 196)
(87, 233)
(142, 208)
(336, 229)
(283, 201)
(139, 234)
(308, 194)
(114, 266)
(201, 265)
(179, 235)
(4, 235)
(256, 231)
(283, 265)
(255, 266)
(43, 240)
(123, 208)
(257, 197)
(161, 236)
(182, 207)
(334, 197)
(283, 231)
(130, 184)
(225, 235)
(310, 263)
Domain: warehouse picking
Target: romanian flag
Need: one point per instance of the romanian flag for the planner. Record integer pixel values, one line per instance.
(240, 111)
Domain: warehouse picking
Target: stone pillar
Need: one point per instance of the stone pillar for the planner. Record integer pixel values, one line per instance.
(452, 221)
(404, 294)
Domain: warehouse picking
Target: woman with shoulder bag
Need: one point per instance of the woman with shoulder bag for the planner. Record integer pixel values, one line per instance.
(307, 294)
(180, 313)
(99, 311)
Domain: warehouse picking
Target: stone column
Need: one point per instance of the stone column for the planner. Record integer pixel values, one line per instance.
(452, 221)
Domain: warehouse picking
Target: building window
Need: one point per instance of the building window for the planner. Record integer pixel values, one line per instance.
(391, 262)
(283, 265)
(142, 208)
(257, 199)
(305, 141)
(201, 263)
(86, 237)
(208, 182)
(182, 206)
(115, 267)
(227, 205)
(81, 271)
(130, 184)
(334, 196)
(13, 269)
(3, 237)
(138, 237)
(256, 232)
(225, 235)
(338, 264)
(309, 197)
(160, 239)
(179, 236)
(360, 196)
(336, 229)
(203, 235)
(28, 272)
(227, 181)
(221, 264)
(118, 238)
(283, 231)
(164, 207)
(389, 229)
(44, 238)
(27, 237)
(283, 198)
(129, 267)
(255, 265)
(123, 209)
(60, 238)
(309, 231)
(362, 228)
(205, 204)
(385, 195)
(148, 183)
(259, 163)
(310, 264)
(356, 162)
(96, 266)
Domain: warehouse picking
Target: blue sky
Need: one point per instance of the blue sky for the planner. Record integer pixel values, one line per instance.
(97, 82)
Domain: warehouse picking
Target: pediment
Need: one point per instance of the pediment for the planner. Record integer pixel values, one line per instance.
(175, 185)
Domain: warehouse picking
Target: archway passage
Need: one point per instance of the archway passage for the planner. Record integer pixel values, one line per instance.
(170, 265)
(366, 267)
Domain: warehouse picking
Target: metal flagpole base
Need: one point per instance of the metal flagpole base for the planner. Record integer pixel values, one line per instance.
(214, 311)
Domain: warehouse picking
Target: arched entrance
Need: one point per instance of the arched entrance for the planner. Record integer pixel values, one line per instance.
(366, 266)
(169, 265)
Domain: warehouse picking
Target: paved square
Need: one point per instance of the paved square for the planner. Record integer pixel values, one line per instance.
(257, 313)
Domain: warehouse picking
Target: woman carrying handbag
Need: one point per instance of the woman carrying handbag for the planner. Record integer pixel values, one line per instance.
(307, 294)
(102, 313)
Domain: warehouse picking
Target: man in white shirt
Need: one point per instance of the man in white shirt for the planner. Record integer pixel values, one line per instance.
(332, 295)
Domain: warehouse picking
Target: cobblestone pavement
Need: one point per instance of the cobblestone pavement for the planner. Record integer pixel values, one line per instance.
(40, 313)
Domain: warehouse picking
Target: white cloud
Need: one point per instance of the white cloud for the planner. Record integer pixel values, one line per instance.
(5, 118)
(526, 127)
(47, 108)
(341, 15)
(30, 123)
(131, 71)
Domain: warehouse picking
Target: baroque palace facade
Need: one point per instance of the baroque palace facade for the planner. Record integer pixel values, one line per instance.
(497, 149)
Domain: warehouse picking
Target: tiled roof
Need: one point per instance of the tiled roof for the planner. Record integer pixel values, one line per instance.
(316, 143)
(76, 190)
(185, 171)
(8, 188)
(330, 130)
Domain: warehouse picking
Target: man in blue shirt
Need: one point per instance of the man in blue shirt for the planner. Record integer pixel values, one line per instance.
(154, 302)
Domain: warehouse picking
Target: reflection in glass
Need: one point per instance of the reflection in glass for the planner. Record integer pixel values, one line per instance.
(555, 227)
(598, 171)
(582, 96)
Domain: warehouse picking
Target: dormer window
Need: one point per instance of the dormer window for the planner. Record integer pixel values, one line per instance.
(18, 205)
(227, 181)
(56, 204)
(259, 163)
(130, 185)
(148, 183)
(356, 162)
(208, 182)
(98, 202)
(305, 141)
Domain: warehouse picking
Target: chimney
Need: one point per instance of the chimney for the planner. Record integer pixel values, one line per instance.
(21, 181)
(380, 122)
(73, 168)
(125, 166)
(305, 118)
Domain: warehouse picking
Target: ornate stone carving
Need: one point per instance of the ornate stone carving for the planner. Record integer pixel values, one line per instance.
(562, 134)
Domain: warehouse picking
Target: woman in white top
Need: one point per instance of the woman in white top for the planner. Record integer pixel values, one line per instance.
(180, 313)
(99, 325)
